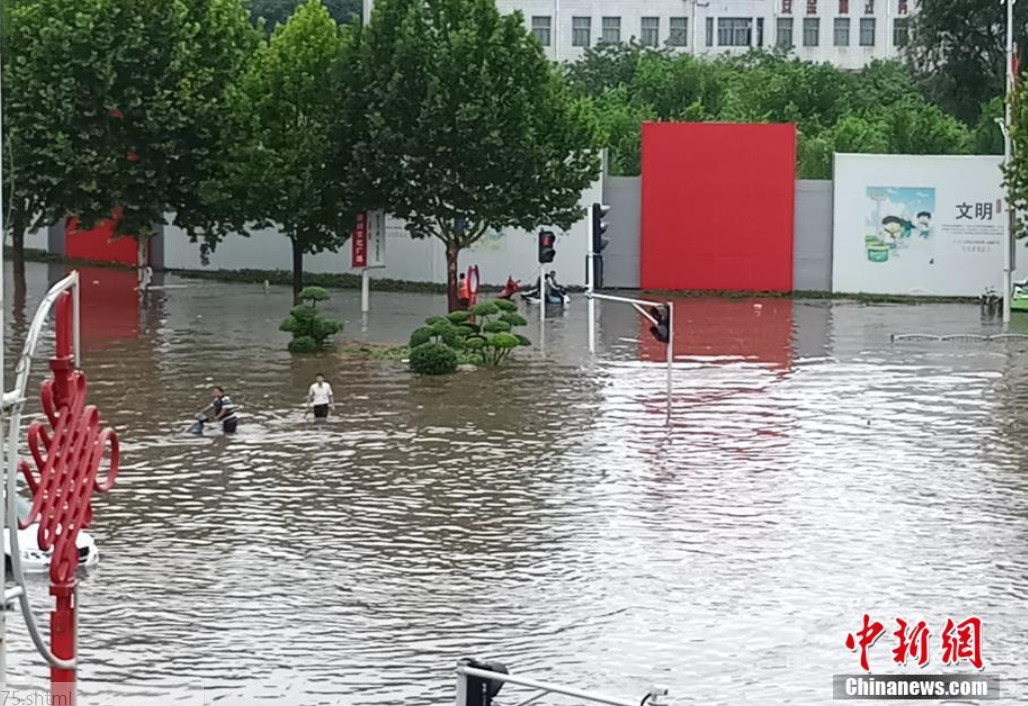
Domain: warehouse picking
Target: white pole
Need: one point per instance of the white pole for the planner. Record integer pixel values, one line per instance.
(365, 291)
(590, 274)
(1008, 156)
(542, 309)
(670, 354)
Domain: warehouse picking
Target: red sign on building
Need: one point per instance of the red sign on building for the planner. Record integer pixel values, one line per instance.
(359, 241)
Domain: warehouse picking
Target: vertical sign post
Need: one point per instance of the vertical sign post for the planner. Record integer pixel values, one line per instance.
(359, 256)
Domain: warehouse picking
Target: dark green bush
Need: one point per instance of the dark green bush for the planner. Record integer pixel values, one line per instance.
(303, 344)
(420, 335)
(433, 359)
(310, 329)
(459, 317)
(496, 327)
(506, 305)
(514, 319)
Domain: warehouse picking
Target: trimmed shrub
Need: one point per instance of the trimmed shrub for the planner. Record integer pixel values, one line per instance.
(433, 359)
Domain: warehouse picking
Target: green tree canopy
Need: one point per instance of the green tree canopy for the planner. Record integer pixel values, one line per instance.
(957, 49)
(290, 164)
(468, 126)
(276, 12)
(119, 105)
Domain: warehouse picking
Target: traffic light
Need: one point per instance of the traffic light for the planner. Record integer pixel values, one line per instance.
(546, 251)
(661, 330)
(599, 227)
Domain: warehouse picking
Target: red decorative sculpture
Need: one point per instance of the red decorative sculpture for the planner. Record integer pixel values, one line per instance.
(67, 459)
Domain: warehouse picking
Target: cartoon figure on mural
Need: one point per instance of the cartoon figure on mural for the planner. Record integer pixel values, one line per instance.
(896, 215)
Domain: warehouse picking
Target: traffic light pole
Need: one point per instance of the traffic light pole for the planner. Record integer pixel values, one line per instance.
(590, 274)
(638, 304)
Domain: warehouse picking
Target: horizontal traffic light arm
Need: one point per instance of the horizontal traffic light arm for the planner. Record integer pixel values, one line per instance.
(545, 687)
(637, 303)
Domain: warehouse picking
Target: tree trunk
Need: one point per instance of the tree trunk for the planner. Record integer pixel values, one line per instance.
(297, 270)
(452, 251)
(18, 262)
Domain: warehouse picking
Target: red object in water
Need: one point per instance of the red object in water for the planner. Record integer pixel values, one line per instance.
(718, 205)
(67, 458)
(510, 289)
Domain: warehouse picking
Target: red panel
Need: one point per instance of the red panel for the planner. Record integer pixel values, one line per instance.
(718, 205)
(759, 330)
(98, 244)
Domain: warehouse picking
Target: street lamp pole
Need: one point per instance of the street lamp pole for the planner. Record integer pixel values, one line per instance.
(1008, 153)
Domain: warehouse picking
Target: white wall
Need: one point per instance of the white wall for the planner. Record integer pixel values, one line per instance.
(513, 252)
(961, 252)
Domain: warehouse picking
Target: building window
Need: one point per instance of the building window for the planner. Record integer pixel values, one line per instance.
(760, 31)
(581, 31)
(842, 31)
(784, 38)
(867, 31)
(679, 36)
(611, 30)
(650, 36)
(786, 7)
(869, 7)
(811, 7)
(901, 32)
(811, 31)
(844, 7)
(710, 31)
(734, 31)
(541, 29)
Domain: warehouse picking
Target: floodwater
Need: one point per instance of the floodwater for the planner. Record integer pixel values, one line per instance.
(543, 514)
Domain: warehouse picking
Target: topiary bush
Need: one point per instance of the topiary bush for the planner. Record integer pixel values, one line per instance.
(488, 340)
(433, 358)
(310, 329)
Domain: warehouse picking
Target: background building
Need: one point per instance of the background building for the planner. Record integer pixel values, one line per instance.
(847, 33)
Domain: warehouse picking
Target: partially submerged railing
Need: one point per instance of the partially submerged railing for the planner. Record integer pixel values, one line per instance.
(478, 683)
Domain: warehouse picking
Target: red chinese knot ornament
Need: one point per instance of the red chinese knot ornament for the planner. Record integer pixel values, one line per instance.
(67, 454)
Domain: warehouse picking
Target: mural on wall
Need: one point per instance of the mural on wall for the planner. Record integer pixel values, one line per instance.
(918, 225)
(899, 223)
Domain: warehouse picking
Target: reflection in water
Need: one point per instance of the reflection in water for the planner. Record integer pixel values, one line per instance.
(540, 514)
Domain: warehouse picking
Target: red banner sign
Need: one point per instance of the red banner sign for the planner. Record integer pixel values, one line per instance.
(359, 241)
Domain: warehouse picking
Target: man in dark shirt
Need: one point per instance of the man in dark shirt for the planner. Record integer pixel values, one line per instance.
(224, 411)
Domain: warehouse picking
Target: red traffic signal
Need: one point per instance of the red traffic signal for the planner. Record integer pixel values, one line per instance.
(547, 240)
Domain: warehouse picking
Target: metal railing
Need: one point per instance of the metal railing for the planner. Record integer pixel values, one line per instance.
(654, 697)
(959, 337)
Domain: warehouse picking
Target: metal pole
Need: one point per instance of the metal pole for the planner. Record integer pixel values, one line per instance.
(462, 684)
(542, 309)
(590, 273)
(670, 354)
(365, 291)
(6, 449)
(1007, 157)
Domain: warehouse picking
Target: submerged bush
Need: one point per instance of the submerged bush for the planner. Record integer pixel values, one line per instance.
(433, 358)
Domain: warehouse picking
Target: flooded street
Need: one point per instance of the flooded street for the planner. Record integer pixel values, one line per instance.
(542, 514)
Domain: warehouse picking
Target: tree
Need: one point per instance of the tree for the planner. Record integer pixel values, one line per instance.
(290, 164)
(957, 48)
(276, 12)
(468, 126)
(118, 106)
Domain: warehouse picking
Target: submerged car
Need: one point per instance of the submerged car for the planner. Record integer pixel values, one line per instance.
(35, 560)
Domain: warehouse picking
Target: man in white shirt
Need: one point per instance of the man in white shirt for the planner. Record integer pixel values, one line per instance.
(319, 396)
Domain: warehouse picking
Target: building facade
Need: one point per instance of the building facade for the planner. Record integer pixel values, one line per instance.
(847, 33)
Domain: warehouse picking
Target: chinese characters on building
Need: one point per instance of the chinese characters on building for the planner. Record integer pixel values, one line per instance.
(960, 642)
